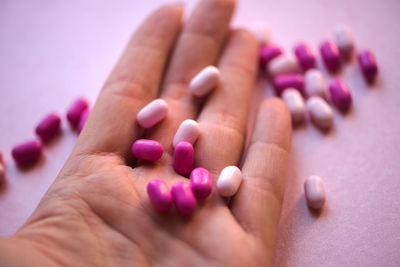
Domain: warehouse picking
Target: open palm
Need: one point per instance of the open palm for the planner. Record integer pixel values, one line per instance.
(97, 211)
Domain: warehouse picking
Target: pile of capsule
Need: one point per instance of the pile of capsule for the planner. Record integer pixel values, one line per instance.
(285, 69)
(183, 194)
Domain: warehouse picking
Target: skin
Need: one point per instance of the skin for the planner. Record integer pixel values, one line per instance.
(97, 212)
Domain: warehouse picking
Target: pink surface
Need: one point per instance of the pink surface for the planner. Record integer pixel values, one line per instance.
(53, 51)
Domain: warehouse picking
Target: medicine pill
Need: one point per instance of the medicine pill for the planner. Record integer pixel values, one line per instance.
(344, 40)
(48, 127)
(148, 150)
(205, 81)
(320, 112)
(160, 195)
(152, 113)
(75, 111)
(314, 83)
(305, 56)
(229, 181)
(284, 63)
(267, 53)
(184, 200)
(330, 55)
(83, 119)
(183, 158)
(27, 153)
(340, 95)
(291, 80)
(201, 183)
(188, 131)
(314, 191)
(295, 103)
(368, 64)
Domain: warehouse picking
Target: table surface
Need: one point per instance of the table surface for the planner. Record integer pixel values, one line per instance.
(53, 51)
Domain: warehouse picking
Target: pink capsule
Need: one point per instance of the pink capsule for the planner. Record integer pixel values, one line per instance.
(267, 53)
(83, 119)
(152, 113)
(291, 80)
(340, 95)
(305, 56)
(331, 55)
(28, 152)
(184, 200)
(48, 127)
(183, 158)
(160, 195)
(368, 65)
(148, 150)
(201, 183)
(314, 191)
(75, 111)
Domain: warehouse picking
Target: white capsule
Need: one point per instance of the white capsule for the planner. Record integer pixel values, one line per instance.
(284, 63)
(295, 103)
(152, 113)
(314, 191)
(205, 81)
(314, 83)
(344, 39)
(229, 181)
(188, 131)
(262, 33)
(320, 112)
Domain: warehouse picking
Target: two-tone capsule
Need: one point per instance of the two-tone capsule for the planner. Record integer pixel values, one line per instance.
(290, 80)
(281, 64)
(314, 83)
(340, 95)
(295, 103)
(320, 112)
(305, 56)
(267, 53)
(344, 40)
(330, 55)
(368, 65)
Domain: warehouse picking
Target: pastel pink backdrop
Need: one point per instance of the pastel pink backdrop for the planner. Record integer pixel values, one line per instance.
(53, 51)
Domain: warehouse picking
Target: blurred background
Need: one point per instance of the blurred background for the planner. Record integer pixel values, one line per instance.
(54, 51)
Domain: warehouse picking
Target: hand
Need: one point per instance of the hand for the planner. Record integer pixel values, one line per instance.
(97, 211)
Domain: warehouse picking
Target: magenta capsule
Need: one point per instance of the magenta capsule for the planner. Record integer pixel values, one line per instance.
(340, 95)
(368, 65)
(160, 195)
(148, 150)
(267, 53)
(74, 113)
(48, 127)
(201, 183)
(183, 158)
(305, 56)
(184, 200)
(291, 80)
(82, 121)
(27, 153)
(331, 55)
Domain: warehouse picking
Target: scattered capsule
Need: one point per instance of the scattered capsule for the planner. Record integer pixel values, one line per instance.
(205, 81)
(320, 112)
(295, 103)
(160, 195)
(152, 113)
(27, 153)
(75, 111)
(330, 55)
(48, 127)
(267, 53)
(188, 131)
(183, 198)
(83, 119)
(229, 181)
(201, 183)
(148, 150)
(340, 95)
(290, 80)
(314, 83)
(305, 56)
(284, 63)
(183, 158)
(344, 40)
(314, 191)
(368, 65)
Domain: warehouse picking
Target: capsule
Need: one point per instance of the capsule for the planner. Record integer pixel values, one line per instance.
(205, 81)
(344, 40)
(200, 182)
(48, 127)
(330, 55)
(305, 56)
(295, 103)
(320, 112)
(368, 65)
(229, 181)
(152, 113)
(183, 158)
(27, 153)
(314, 83)
(314, 191)
(83, 119)
(340, 95)
(148, 150)
(262, 33)
(75, 111)
(284, 63)
(267, 53)
(183, 198)
(188, 131)
(291, 80)
(160, 195)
